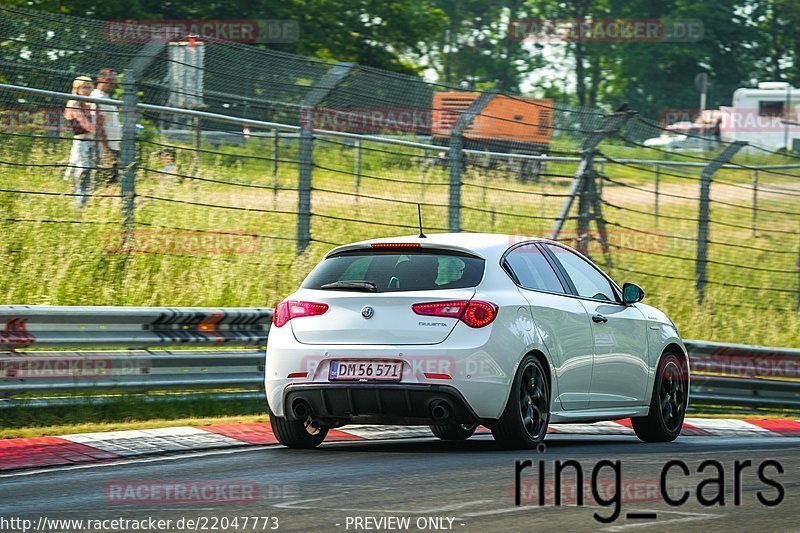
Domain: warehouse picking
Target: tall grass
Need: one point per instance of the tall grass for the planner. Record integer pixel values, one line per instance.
(78, 261)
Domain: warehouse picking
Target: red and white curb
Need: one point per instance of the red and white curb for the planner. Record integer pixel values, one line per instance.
(38, 452)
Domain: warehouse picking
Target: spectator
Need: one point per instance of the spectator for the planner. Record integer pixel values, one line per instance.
(167, 156)
(81, 118)
(109, 130)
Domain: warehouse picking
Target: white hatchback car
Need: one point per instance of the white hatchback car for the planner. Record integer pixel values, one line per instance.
(460, 330)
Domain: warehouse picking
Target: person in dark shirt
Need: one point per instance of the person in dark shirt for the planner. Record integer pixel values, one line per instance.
(109, 128)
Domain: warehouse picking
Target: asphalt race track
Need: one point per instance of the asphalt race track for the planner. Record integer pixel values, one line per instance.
(424, 484)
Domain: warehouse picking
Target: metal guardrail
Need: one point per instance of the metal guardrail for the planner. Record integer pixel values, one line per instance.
(732, 375)
(131, 371)
(743, 375)
(42, 326)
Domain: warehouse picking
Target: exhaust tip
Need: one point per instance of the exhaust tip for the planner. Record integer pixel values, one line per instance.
(301, 409)
(440, 410)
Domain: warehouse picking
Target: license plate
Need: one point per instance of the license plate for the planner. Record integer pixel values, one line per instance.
(366, 370)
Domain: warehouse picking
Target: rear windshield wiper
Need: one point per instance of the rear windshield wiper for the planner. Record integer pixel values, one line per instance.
(366, 286)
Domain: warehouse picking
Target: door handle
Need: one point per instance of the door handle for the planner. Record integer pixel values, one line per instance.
(599, 318)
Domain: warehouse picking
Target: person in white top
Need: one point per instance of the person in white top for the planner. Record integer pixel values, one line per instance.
(109, 129)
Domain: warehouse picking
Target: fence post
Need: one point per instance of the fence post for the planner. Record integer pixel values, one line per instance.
(306, 151)
(357, 172)
(584, 211)
(127, 149)
(754, 216)
(456, 157)
(584, 186)
(357, 165)
(275, 155)
(305, 163)
(198, 131)
(657, 185)
(701, 274)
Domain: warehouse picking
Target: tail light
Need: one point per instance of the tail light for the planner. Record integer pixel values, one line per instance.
(475, 313)
(395, 245)
(478, 314)
(289, 309)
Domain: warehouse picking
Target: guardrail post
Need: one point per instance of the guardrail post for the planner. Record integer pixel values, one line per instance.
(701, 274)
(456, 157)
(306, 155)
(584, 187)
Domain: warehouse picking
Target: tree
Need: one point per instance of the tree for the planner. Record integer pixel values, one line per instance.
(779, 20)
(476, 48)
(376, 33)
(652, 76)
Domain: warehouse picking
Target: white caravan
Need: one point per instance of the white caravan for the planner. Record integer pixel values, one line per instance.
(767, 116)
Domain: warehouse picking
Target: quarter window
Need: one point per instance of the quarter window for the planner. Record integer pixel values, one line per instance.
(532, 270)
(588, 281)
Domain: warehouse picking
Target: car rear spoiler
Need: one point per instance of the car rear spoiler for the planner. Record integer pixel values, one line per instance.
(412, 244)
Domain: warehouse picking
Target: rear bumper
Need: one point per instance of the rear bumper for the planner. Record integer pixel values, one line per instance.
(480, 370)
(406, 404)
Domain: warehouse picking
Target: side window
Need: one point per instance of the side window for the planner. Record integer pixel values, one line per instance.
(768, 108)
(588, 281)
(532, 270)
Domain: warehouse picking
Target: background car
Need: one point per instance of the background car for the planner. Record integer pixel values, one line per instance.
(459, 330)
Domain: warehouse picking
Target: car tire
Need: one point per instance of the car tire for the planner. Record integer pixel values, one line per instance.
(668, 402)
(523, 424)
(454, 431)
(296, 433)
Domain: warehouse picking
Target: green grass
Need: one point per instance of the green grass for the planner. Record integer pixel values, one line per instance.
(80, 264)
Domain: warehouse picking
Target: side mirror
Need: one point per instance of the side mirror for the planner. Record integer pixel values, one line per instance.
(631, 293)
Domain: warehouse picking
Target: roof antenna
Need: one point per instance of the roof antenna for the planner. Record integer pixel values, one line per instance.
(419, 214)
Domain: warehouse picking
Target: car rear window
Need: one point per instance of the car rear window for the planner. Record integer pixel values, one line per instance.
(394, 271)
